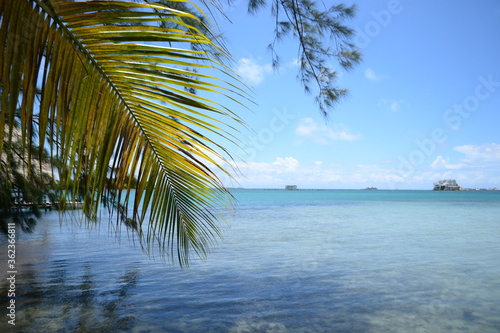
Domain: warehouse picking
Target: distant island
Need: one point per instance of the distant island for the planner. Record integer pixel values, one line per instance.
(447, 185)
(372, 188)
(451, 185)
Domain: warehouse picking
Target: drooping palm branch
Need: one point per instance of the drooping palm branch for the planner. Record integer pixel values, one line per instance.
(116, 93)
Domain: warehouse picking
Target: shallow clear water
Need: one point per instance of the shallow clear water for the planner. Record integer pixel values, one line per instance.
(292, 261)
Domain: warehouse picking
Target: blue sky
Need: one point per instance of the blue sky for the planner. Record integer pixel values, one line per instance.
(424, 104)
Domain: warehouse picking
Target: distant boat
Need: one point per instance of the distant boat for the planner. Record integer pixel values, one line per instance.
(371, 188)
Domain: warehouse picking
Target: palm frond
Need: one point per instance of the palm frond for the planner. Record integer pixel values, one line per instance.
(115, 94)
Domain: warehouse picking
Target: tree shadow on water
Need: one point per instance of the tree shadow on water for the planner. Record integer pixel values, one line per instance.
(52, 298)
(23, 220)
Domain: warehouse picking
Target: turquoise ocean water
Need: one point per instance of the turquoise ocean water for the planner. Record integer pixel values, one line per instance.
(292, 261)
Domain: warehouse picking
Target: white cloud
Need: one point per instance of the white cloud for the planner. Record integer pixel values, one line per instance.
(251, 71)
(479, 168)
(395, 106)
(288, 170)
(455, 166)
(278, 173)
(307, 127)
(284, 165)
(281, 165)
(322, 134)
(371, 75)
(486, 152)
(474, 157)
(294, 63)
(441, 163)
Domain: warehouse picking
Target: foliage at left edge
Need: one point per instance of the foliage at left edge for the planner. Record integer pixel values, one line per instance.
(102, 97)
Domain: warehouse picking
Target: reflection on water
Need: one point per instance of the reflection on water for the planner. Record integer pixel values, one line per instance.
(68, 279)
(26, 221)
(51, 298)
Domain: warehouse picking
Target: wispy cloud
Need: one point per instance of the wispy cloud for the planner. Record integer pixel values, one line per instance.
(288, 170)
(474, 157)
(322, 134)
(393, 105)
(371, 75)
(294, 63)
(252, 72)
(278, 173)
(287, 164)
(478, 166)
(485, 152)
(442, 163)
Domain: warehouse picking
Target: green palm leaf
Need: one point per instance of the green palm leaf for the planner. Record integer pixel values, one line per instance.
(116, 94)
